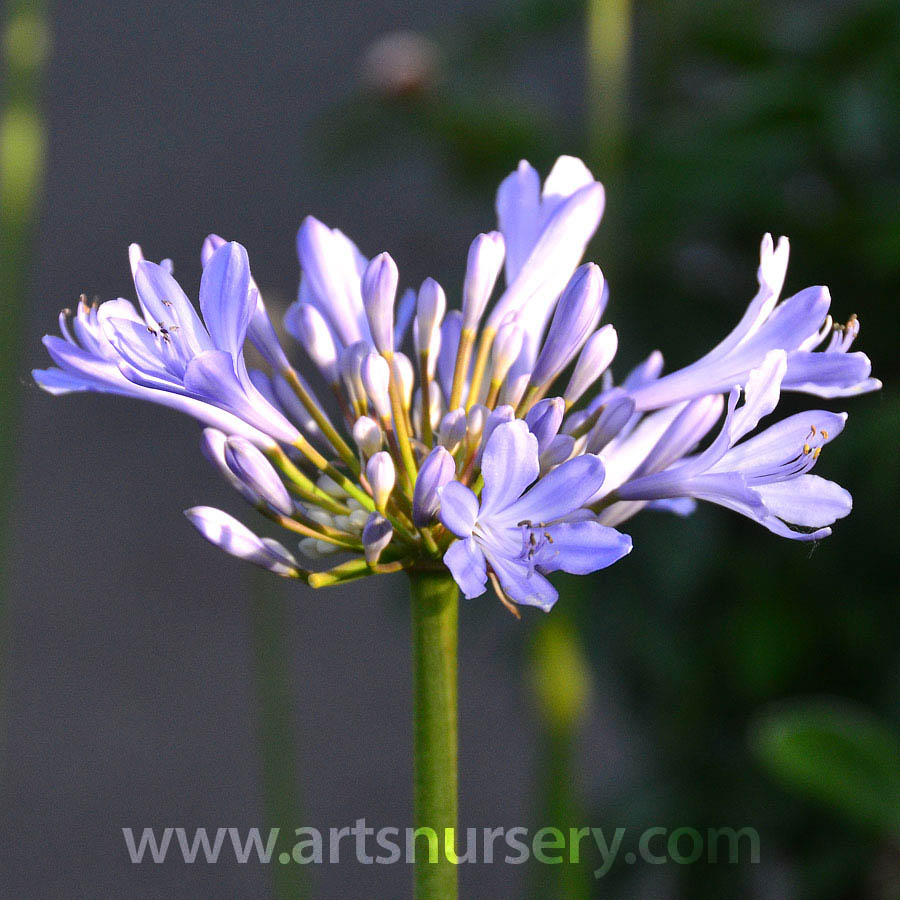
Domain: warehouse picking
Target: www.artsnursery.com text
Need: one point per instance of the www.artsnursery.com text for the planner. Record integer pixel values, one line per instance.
(365, 844)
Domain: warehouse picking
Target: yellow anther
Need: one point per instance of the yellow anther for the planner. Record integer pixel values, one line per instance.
(806, 449)
(824, 434)
(816, 452)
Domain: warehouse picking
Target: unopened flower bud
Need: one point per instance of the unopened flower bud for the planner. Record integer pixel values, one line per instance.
(376, 535)
(309, 327)
(452, 430)
(613, 419)
(212, 445)
(575, 316)
(235, 538)
(595, 358)
(483, 266)
(544, 419)
(434, 348)
(437, 469)
(430, 309)
(450, 331)
(351, 371)
(476, 418)
(404, 377)
(506, 349)
(382, 478)
(251, 466)
(556, 452)
(376, 375)
(368, 436)
(379, 290)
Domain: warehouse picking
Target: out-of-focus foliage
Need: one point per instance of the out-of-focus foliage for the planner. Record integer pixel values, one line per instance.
(741, 118)
(840, 756)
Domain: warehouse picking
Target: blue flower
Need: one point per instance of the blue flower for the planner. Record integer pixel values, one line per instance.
(524, 534)
(167, 354)
(797, 325)
(766, 477)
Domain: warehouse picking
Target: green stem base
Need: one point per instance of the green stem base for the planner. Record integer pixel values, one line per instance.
(435, 602)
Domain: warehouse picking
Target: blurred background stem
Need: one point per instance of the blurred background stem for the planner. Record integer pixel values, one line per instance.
(275, 726)
(561, 681)
(608, 49)
(25, 50)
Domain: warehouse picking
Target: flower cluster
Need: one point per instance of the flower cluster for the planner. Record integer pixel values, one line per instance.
(491, 439)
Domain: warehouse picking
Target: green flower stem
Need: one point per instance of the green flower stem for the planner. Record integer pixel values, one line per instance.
(435, 601)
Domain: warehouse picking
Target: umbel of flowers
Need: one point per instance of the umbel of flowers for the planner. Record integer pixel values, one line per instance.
(491, 438)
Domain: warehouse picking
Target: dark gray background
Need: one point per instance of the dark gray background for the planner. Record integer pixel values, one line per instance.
(130, 699)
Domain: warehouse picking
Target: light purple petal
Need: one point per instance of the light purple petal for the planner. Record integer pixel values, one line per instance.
(560, 492)
(828, 374)
(518, 214)
(781, 440)
(509, 465)
(166, 304)
(582, 547)
(552, 260)
(459, 508)
(678, 506)
(760, 395)
(211, 377)
(522, 586)
(55, 381)
(808, 500)
(331, 264)
(210, 245)
(467, 566)
(226, 299)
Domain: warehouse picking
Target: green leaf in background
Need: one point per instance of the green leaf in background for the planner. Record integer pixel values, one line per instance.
(837, 754)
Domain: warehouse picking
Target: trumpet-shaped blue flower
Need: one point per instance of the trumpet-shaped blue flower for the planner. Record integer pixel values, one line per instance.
(798, 325)
(766, 477)
(167, 354)
(523, 534)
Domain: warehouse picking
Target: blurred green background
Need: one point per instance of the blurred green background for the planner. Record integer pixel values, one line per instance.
(763, 676)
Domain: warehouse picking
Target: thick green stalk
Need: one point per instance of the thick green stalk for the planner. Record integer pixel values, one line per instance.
(435, 601)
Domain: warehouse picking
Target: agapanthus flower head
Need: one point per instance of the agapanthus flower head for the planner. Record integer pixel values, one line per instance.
(491, 439)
